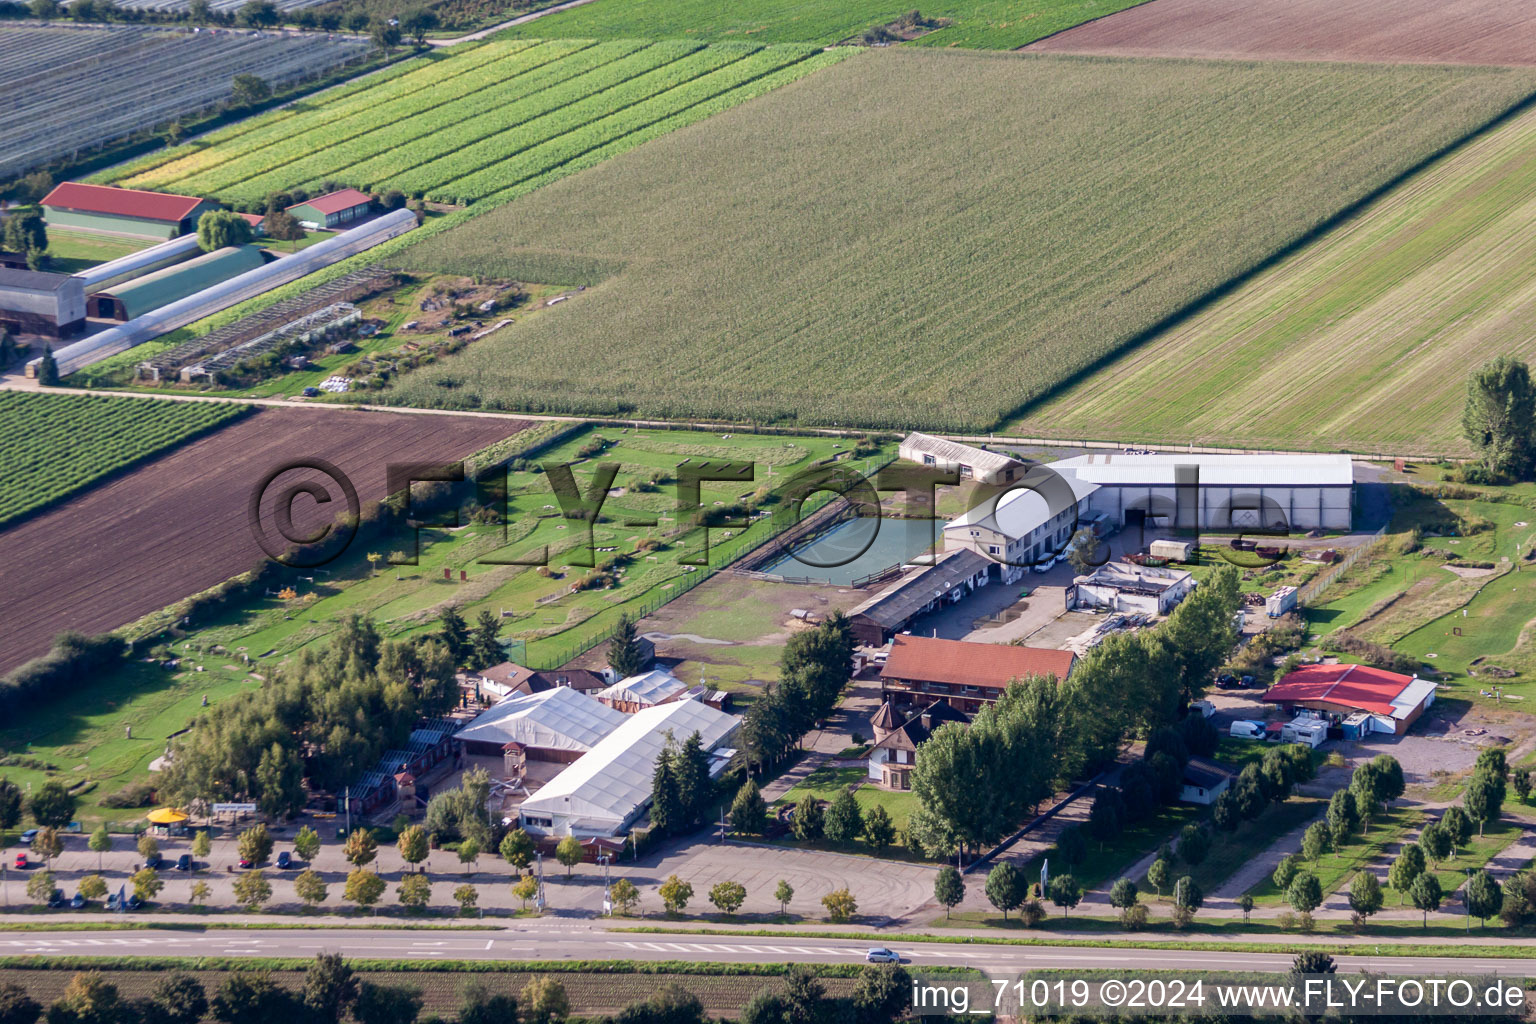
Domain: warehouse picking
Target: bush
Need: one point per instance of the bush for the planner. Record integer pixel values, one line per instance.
(74, 658)
(135, 794)
(1134, 918)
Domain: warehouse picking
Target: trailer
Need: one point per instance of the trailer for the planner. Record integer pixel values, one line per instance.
(1280, 602)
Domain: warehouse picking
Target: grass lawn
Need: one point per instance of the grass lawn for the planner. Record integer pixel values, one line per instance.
(1120, 223)
(1336, 869)
(70, 252)
(828, 781)
(1231, 851)
(1478, 851)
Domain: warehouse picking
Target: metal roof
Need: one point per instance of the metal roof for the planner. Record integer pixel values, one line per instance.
(1018, 511)
(335, 202)
(556, 719)
(121, 202)
(180, 280)
(896, 605)
(605, 787)
(954, 453)
(33, 280)
(1157, 470)
(965, 663)
(651, 687)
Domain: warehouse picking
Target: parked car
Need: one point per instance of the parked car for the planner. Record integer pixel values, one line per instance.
(1203, 708)
(1245, 730)
(29, 835)
(311, 392)
(112, 901)
(245, 862)
(285, 860)
(21, 862)
(1246, 681)
(154, 861)
(77, 901)
(184, 862)
(134, 903)
(57, 899)
(881, 955)
(1226, 681)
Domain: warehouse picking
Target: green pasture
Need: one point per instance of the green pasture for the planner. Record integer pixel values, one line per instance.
(1335, 869)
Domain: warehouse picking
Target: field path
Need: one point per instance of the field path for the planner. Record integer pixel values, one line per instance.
(520, 20)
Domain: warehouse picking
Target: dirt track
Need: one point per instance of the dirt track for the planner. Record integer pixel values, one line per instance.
(178, 525)
(1388, 31)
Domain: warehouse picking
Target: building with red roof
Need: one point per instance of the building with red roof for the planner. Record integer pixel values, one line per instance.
(1373, 699)
(968, 675)
(332, 209)
(123, 211)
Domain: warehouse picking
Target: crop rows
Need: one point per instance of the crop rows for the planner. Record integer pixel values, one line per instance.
(556, 151)
(383, 153)
(318, 113)
(53, 446)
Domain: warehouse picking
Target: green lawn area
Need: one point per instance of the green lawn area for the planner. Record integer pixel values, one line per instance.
(1230, 851)
(70, 252)
(828, 781)
(1103, 865)
(1336, 869)
(1478, 851)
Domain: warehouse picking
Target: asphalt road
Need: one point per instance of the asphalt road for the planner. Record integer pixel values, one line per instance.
(579, 942)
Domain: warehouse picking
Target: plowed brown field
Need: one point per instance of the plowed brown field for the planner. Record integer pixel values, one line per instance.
(178, 525)
(1389, 31)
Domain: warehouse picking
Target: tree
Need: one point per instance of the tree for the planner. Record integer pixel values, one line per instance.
(675, 894)
(309, 887)
(1305, 893)
(485, 647)
(48, 844)
(88, 999)
(251, 997)
(517, 849)
(765, 1007)
(148, 846)
(1390, 773)
(248, 90)
(1436, 841)
(278, 223)
(879, 829)
(728, 896)
(1105, 818)
(99, 843)
(200, 11)
(1314, 842)
(1365, 897)
(1187, 899)
(749, 811)
(1066, 892)
(1157, 876)
(386, 1004)
(217, 229)
(525, 889)
(1245, 904)
(1482, 800)
(454, 635)
(469, 852)
(1005, 887)
(626, 652)
(414, 845)
(466, 896)
(416, 23)
(844, 821)
(364, 887)
(11, 799)
(40, 887)
(840, 904)
(202, 845)
(93, 887)
(948, 888)
(1368, 786)
(252, 890)
(569, 853)
(330, 987)
(668, 814)
(1520, 780)
(1426, 894)
(809, 819)
(477, 1006)
(1122, 895)
(307, 844)
(544, 1001)
(255, 844)
(1408, 866)
(1457, 826)
(178, 998)
(1499, 417)
(1083, 551)
(258, 14)
(1313, 963)
(1194, 844)
(53, 805)
(25, 233)
(280, 780)
(146, 883)
(360, 848)
(48, 377)
(414, 890)
(624, 896)
(882, 994)
(1343, 818)
(200, 893)
(383, 35)
(43, 10)
(1483, 895)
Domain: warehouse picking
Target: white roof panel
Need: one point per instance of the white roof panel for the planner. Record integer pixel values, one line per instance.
(1412, 696)
(556, 719)
(651, 687)
(1017, 511)
(1114, 468)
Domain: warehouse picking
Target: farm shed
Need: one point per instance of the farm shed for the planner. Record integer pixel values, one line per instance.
(332, 210)
(646, 690)
(968, 675)
(163, 287)
(875, 620)
(1124, 587)
(1030, 523)
(1392, 700)
(136, 264)
(971, 462)
(1204, 780)
(1177, 491)
(607, 789)
(228, 293)
(558, 724)
(31, 302)
(123, 211)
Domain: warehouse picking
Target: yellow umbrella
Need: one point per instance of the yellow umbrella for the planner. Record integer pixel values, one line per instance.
(166, 816)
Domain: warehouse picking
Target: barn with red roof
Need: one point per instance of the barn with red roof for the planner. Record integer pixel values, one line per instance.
(333, 209)
(123, 211)
(1389, 701)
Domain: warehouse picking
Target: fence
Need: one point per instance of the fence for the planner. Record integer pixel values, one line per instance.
(1314, 588)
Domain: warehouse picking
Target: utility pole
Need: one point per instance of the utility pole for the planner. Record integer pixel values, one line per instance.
(346, 801)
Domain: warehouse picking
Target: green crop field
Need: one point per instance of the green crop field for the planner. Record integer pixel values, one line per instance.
(1321, 351)
(53, 446)
(977, 24)
(917, 238)
(463, 129)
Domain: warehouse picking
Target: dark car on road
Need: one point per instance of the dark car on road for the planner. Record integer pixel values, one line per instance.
(57, 899)
(77, 901)
(285, 860)
(154, 861)
(184, 862)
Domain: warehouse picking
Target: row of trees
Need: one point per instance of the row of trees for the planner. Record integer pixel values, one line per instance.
(813, 670)
(415, 23)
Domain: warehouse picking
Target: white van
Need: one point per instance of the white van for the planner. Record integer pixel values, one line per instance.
(1244, 730)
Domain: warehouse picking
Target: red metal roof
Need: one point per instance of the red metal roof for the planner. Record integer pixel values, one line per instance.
(121, 202)
(335, 202)
(1351, 686)
(968, 664)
